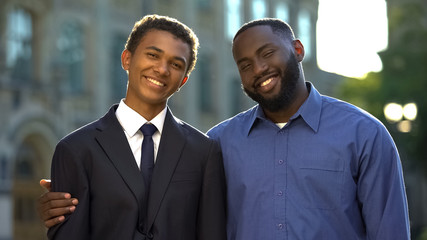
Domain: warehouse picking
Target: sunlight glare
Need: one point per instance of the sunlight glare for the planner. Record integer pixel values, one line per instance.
(350, 33)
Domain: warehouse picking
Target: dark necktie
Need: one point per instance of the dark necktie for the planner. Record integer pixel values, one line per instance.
(147, 153)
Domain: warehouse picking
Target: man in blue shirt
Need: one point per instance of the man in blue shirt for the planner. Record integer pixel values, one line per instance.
(300, 165)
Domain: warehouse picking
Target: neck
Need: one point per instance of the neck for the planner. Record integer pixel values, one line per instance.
(148, 111)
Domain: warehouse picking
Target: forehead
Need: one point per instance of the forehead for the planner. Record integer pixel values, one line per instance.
(165, 41)
(255, 37)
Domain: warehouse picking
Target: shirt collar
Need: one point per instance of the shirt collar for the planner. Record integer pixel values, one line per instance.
(131, 121)
(309, 111)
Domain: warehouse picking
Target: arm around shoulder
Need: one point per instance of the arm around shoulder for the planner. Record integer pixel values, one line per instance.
(69, 175)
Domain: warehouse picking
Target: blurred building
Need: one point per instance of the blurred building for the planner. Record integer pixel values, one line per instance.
(60, 68)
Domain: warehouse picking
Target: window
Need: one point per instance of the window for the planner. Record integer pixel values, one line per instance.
(204, 4)
(3, 169)
(259, 9)
(19, 45)
(282, 11)
(237, 96)
(71, 57)
(205, 73)
(233, 17)
(304, 31)
(119, 76)
(24, 168)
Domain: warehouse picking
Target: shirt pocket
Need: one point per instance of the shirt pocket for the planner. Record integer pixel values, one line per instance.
(320, 183)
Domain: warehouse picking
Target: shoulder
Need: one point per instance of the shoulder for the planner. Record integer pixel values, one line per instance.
(82, 134)
(199, 144)
(191, 131)
(239, 122)
(345, 109)
(109, 120)
(350, 116)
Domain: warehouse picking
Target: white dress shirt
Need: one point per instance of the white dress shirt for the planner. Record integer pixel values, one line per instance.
(131, 121)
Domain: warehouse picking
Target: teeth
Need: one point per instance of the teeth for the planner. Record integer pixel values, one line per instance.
(266, 82)
(155, 82)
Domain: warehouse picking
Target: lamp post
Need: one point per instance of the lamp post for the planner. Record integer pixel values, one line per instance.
(402, 116)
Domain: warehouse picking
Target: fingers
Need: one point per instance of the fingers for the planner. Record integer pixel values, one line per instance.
(52, 222)
(46, 184)
(52, 206)
(55, 197)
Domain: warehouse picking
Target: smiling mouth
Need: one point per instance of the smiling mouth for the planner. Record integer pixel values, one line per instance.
(155, 82)
(266, 82)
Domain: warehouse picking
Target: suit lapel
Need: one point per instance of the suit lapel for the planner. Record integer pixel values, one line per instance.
(171, 145)
(113, 141)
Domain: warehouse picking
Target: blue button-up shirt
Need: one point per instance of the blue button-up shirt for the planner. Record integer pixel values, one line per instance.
(333, 172)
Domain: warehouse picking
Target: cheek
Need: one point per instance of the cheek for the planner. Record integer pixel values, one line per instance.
(176, 80)
(246, 84)
(177, 75)
(245, 79)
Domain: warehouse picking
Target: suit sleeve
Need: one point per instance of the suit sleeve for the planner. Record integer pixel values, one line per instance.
(68, 174)
(212, 207)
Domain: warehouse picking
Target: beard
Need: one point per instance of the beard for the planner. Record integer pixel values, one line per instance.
(287, 92)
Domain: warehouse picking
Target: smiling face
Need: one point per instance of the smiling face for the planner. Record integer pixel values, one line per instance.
(156, 70)
(268, 67)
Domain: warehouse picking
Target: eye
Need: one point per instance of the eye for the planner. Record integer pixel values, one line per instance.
(152, 55)
(245, 66)
(268, 53)
(176, 65)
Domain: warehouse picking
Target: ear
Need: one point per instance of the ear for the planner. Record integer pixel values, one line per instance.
(299, 50)
(126, 58)
(184, 80)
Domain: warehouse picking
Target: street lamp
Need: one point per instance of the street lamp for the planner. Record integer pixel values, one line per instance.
(410, 111)
(401, 115)
(393, 112)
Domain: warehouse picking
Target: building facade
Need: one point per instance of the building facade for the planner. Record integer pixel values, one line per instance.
(60, 69)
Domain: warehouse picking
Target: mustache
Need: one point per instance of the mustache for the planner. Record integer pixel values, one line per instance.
(262, 75)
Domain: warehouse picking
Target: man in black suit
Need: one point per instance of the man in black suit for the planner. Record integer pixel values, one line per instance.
(99, 163)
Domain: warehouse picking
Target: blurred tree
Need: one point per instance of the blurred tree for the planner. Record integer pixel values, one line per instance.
(423, 235)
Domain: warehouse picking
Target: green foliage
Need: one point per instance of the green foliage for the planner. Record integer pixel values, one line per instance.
(423, 235)
(363, 93)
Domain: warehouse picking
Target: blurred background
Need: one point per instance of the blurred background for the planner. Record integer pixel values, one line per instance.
(60, 69)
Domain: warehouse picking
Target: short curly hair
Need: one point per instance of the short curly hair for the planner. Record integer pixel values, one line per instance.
(278, 26)
(168, 24)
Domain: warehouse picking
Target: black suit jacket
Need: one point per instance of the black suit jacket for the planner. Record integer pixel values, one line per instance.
(187, 197)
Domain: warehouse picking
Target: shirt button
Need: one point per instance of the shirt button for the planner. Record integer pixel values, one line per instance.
(280, 193)
(280, 226)
(281, 161)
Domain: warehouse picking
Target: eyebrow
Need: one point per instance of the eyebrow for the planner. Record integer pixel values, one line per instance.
(181, 59)
(257, 52)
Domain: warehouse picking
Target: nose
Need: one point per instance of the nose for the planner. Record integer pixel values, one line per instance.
(162, 68)
(259, 67)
